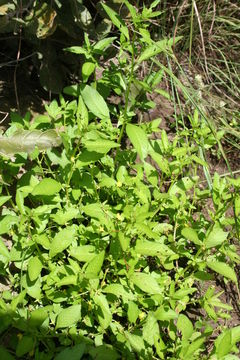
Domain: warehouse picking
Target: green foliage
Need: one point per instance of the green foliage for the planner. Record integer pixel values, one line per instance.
(111, 244)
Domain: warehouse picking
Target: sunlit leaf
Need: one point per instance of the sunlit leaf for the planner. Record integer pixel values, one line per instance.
(27, 140)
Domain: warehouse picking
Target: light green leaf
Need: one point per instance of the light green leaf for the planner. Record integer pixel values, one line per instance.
(84, 253)
(4, 199)
(27, 140)
(152, 248)
(104, 43)
(181, 293)
(117, 21)
(133, 312)
(192, 348)
(68, 317)
(216, 237)
(7, 222)
(87, 69)
(161, 162)
(191, 234)
(185, 326)
(156, 48)
(95, 102)
(77, 50)
(34, 289)
(104, 315)
(34, 268)
(136, 341)
(139, 140)
(63, 216)
(225, 345)
(223, 269)
(95, 265)
(183, 185)
(237, 205)
(150, 329)
(119, 290)
(82, 114)
(165, 314)
(47, 187)
(4, 254)
(100, 145)
(62, 240)
(146, 283)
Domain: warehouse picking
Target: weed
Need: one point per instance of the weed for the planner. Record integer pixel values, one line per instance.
(107, 247)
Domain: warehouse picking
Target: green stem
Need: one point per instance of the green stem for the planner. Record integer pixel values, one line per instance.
(127, 93)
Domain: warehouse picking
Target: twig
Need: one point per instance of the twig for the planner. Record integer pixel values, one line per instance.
(17, 61)
(213, 19)
(202, 38)
(4, 117)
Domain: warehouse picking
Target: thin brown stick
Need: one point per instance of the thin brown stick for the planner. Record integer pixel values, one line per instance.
(17, 61)
(213, 19)
(202, 38)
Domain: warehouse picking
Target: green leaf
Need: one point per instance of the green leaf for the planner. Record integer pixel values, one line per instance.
(68, 317)
(87, 69)
(7, 222)
(34, 288)
(222, 269)
(47, 187)
(181, 293)
(84, 253)
(95, 102)
(161, 162)
(27, 140)
(192, 348)
(63, 216)
(185, 326)
(119, 290)
(216, 237)
(34, 268)
(136, 341)
(146, 283)
(4, 253)
(4, 199)
(100, 145)
(5, 355)
(62, 240)
(25, 345)
(38, 316)
(82, 114)
(74, 353)
(150, 329)
(152, 248)
(139, 140)
(104, 315)
(191, 234)
(95, 265)
(225, 345)
(104, 43)
(156, 48)
(165, 314)
(133, 312)
(237, 205)
(116, 20)
(183, 185)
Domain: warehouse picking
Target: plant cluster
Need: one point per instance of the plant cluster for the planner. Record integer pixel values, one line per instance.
(107, 247)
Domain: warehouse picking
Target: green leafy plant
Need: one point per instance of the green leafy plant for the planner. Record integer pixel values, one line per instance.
(106, 246)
